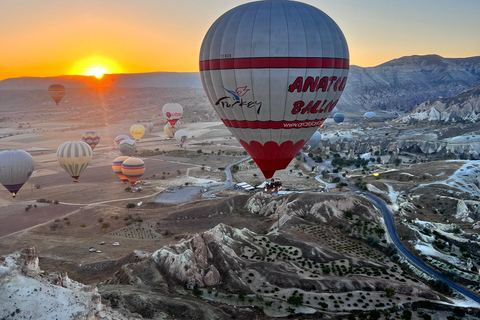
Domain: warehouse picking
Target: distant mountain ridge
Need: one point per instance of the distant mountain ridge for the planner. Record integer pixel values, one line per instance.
(399, 84)
(403, 83)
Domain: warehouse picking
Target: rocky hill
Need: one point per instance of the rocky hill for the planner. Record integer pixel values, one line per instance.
(464, 107)
(403, 83)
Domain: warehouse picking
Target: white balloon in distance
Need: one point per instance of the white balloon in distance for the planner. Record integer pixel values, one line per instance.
(181, 136)
(173, 112)
(273, 71)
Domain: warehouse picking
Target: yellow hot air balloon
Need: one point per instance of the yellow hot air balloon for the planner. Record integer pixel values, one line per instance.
(137, 131)
(74, 157)
(170, 130)
(133, 168)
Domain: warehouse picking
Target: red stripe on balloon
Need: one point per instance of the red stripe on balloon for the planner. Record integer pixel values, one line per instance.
(280, 62)
(273, 124)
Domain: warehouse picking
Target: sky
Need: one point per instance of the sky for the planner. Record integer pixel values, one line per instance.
(53, 37)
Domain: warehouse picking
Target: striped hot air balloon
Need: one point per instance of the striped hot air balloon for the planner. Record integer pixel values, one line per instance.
(173, 112)
(117, 167)
(273, 71)
(370, 116)
(74, 157)
(16, 166)
(137, 131)
(92, 138)
(127, 147)
(56, 92)
(120, 138)
(133, 168)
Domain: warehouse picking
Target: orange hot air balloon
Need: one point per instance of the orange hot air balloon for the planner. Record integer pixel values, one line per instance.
(57, 92)
(273, 71)
(133, 168)
(117, 167)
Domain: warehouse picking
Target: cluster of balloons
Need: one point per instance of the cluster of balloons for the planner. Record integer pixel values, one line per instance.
(274, 82)
(128, 168)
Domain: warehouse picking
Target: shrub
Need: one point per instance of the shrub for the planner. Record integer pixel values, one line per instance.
(83, 225)
(105, 225)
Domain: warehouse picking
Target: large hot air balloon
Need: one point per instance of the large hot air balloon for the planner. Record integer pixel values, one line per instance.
(338, 117)
(273, 71)
(181, 136)
(133, 168)
(370, 116)
(314, 140)
(56, 92)
(74, 157)
(150, 126)
(120, 138)
(173, 112)
(16, 166)
(91, 138)
(137, 131)
(127, 147)
(117, 167)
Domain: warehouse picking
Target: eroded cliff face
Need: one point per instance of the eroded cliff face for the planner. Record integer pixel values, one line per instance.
(28, 292)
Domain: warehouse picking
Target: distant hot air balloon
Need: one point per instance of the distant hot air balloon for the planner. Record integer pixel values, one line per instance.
(117, 167)
(314, 140)
(170, 130)
(273, 71)
(370, 116)
(133, 168)
(74, 157)
(181, 136)
(16, 166)
(338, 117)
(137, 131)
(150, 126)
(120, 138)
(127, 147)
(57, 92)
(173, 112)
(91, 138)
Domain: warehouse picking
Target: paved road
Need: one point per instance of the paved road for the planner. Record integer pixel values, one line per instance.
(390, 224)
(392, 232)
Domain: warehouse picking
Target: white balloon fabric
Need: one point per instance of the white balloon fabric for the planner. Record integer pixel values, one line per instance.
(173, 112)
(16, 166)
(273, 71)
(181, 136)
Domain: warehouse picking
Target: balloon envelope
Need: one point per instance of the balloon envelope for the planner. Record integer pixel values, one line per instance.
(120, 138)
(133, 169)
(335, 110)
(273, 71)
(370, 116)
(314, 140)
(173, 112)
(16, 166)
(92, 138)
(74, 157)
(181, 136)
(150, 127)
(170, 130)
(56, 92)
(127, 147)
(137, 131)
(338, 117)
(117, 167)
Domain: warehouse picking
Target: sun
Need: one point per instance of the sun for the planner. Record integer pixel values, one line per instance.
(98, 72)
(95, 66)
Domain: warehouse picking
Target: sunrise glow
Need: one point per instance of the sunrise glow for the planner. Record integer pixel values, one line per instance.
(95, 66)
